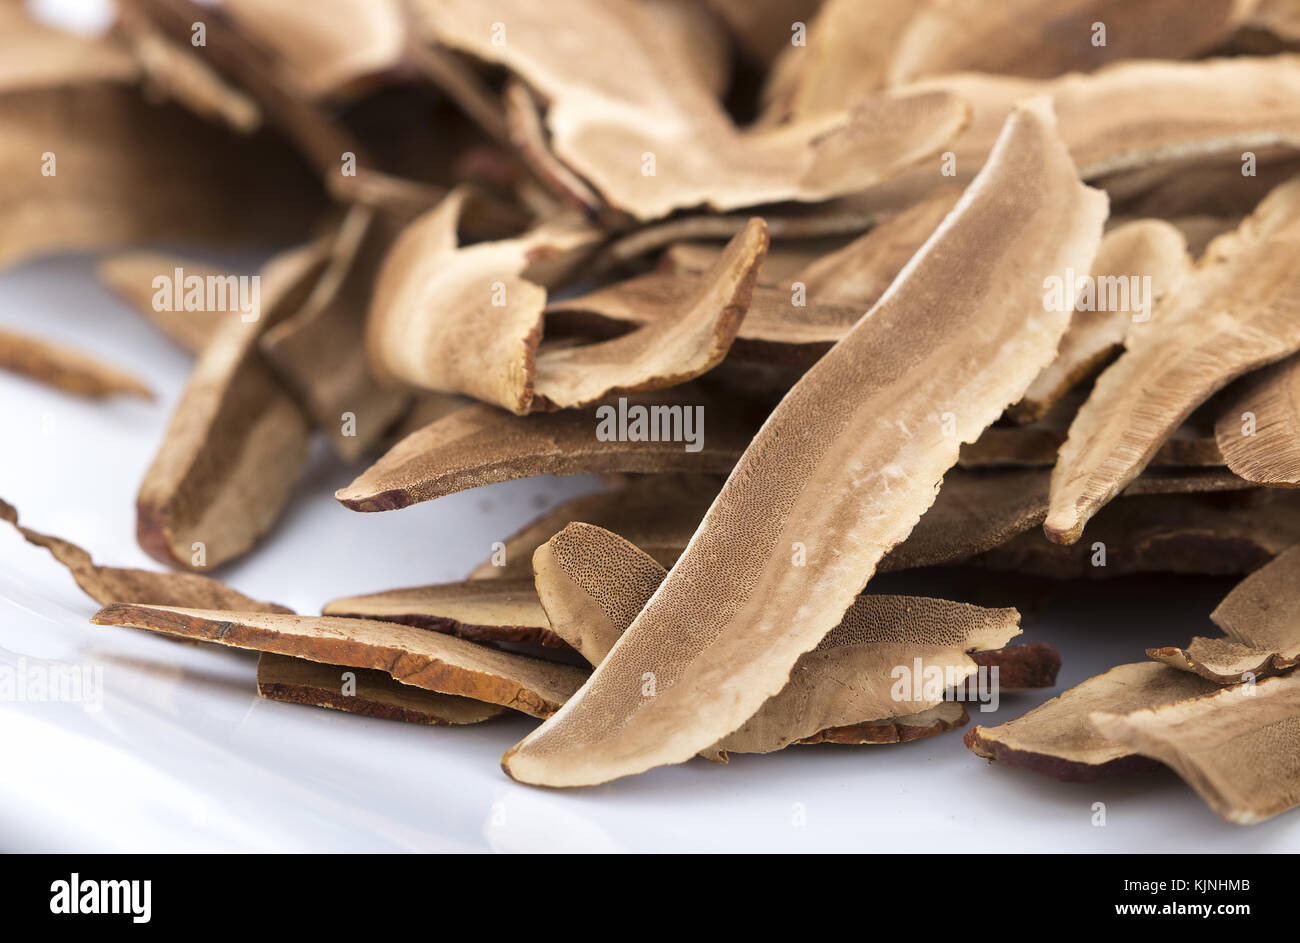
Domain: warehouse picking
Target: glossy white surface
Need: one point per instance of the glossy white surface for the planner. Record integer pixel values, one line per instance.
(184, 756)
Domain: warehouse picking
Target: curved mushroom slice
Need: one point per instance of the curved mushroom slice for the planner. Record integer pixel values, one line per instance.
(657, 513)
(110, 584)
(1236, 312)
(1058, 740)
(64, 369)
(528, 136)
(633, 118)
(1259, 432)
(1138, 264)
(236, 441)
(1043, 38)
(504, 610)
(592, 583)
(1237, 748)
(134, 277)
(423, 659)
(903, 729)
(839, 473)
(368, 692)
(1022, 667)
(480, 445)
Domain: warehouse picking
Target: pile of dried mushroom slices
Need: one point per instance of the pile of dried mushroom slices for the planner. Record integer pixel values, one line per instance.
(823, 288)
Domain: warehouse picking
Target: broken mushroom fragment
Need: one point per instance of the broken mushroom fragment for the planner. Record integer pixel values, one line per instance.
(65, 369)
(1259, 431)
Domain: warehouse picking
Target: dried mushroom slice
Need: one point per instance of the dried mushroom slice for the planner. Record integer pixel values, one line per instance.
(528, 135)
(1259, 431)
(236, 441)
(423, 659)
(902, 729)
(838, 474)
(1234, 313)
(504, 610)
(65, 369)
(1137, 265)
(1022, 667)
(480, 445)
(110, 584)
(1237, 748)
(367, 692)
(633, 118)
(1057, 738)
(142, 278)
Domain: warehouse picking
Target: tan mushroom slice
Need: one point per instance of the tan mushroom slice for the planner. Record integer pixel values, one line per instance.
(1137, 265)
(504, 610)
(480, 445)
(138, 278)
(367, 692)
(528, 135)
(1057, 738)
(1237, 748)
(423, 659)
(236, 441)
(783, 262)
(592, 583)
(110, 584)
(657, 513)
(839, 473)
(633, 118)
(65, 369)
(928, 723)
(1043, 38)
(1234, 313)
(1259, 431)
(1022, 667)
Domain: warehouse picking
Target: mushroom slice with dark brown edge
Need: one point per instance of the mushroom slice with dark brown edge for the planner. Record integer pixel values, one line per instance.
(368, 692)
(592, 583)
(632, 117)
(1058, 740)
(1022, 667)
(504, 610)
(140, 278)
(1259, 431)
(941, 718)
(110, 584)
(236, 442)
(65, 369)
(1234, 313)
(1237, 748)
(839, 473)
(1261, 619)
(423, 659)
(480, 445)
(1137, 265)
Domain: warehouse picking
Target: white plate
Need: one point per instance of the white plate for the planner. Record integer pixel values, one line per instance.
(182, 755)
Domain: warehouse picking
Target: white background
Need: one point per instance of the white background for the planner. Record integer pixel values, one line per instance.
(184, 755)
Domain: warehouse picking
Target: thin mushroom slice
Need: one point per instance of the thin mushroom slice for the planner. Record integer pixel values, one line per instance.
(367, 692)
(504, 610)
(480, 445)
(142, 279)
(423, 659)
(1138, 264)
(65, 369)
(110, 584)
(829, 462)
(592, 583)
(633, 118)
(1259, 431)
(1237, 748)
(236, 441)
(901, 729)
(1058, 740)
(1236, 312)
(1022, 667)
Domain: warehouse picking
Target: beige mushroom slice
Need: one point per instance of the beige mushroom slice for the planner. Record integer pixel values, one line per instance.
(110, 584)
(138, 277)
(1057, 738)
(1234, 313)
(367, 692)
(480, 445)
(1237, 748)
(1138, 264)
(236, 441)
(657, 513)
(423, 659)
(1259, 431)
(632, 117)
(592, 583)
(65, 369)
(504, 610)
(838, 474)
(902, 729)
